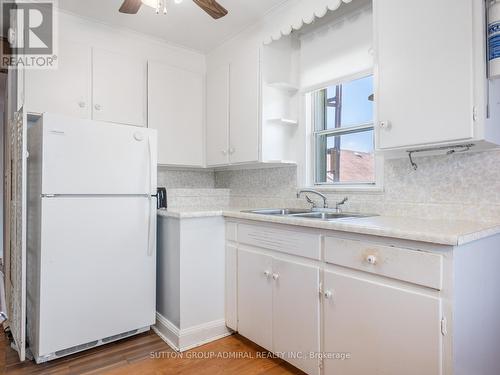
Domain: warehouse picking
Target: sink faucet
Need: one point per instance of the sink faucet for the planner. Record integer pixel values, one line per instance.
(325, 203)
(341, 203)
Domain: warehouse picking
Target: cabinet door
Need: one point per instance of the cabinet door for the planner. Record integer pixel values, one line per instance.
(175, 109)
(119, 88)
(255, 297)
(425, 71)
(218, 116)
(244, 107)
(385, 330)
(65, 90)
(296, 313)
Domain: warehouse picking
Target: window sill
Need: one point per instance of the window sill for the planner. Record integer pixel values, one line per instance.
(374, 189)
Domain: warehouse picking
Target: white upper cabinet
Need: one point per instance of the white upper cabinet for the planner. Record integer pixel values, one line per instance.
(90, 84)
(65, 90)
(245, 106)
(246, 123)
(430, 73)
(119, 88)
(233, 109)
(218, 116)
(176, 110)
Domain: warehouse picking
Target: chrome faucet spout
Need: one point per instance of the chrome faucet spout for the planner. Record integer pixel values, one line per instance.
(311, 191)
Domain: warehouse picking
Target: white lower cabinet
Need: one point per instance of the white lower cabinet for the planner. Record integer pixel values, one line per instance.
(255, 297)
(336, 306)
(384, 329)
(278, 307)
(296, 313)
(336, 303)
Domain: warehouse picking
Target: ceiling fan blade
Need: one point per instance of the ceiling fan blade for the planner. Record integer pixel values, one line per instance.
(212, 7)
(130, 6)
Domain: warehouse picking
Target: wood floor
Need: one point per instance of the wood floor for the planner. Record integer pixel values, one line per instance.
(147, 354)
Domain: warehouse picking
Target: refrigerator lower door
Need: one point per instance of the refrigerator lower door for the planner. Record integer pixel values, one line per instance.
(91, 157)
(97, 269)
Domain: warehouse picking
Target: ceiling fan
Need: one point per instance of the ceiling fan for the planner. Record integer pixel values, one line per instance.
(212, 7)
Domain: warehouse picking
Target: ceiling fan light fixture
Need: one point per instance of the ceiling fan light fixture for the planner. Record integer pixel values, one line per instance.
(150, 3)
(156, 5)
(212, 7)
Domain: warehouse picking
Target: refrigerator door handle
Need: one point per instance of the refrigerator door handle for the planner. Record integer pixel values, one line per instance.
(152, 211)
(150, 167)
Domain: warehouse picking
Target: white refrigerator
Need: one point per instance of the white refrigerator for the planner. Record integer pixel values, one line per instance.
(91, 257)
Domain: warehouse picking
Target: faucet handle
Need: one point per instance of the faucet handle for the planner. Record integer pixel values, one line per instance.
(309, 200)
(341, 203)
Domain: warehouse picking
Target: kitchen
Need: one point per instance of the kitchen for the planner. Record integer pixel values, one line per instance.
(195, 184)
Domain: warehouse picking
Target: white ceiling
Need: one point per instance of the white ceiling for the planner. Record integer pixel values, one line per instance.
(186, 24)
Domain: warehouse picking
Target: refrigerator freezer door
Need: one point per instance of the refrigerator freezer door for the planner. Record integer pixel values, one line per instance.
(97, 269)
(88, 157)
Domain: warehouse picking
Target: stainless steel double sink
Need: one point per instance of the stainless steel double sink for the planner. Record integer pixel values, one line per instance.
(315, 213)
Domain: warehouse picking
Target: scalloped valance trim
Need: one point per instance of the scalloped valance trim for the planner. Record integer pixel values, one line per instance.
(301, 13)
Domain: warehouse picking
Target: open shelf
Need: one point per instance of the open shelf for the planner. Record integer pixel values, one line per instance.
(284, 121)
(284, 86)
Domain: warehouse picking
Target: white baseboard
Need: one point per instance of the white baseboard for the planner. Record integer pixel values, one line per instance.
(167, 331)
(189, 338)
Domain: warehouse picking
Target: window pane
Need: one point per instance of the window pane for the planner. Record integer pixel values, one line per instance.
(347, 105)
(347, 158)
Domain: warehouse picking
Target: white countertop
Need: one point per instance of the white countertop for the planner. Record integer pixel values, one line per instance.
(445, 232)
(190, 213)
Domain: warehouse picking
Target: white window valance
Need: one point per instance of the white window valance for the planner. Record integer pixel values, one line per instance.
(295, 15)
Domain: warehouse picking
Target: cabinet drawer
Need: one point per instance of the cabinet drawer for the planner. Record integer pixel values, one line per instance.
(286, 241)
(413, 266)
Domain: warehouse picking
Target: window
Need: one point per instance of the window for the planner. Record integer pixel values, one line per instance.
(343, 133)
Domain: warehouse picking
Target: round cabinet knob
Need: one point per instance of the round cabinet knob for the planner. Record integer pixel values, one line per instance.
(98, 107)
(328, 294)
(224, 152)
(232, 150)
(267, 274)
(276, 276)
(385, 125)
(372, 259)
(82, 104)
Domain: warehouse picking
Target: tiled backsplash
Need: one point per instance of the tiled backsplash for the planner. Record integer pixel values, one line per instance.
(460, 186)
(186, 178)
(198, 198)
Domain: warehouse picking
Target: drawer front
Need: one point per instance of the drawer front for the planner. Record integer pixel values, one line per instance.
(286, 241)
(413, 266)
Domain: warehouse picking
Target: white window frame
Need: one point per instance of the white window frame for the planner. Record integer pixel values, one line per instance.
(310, 133)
